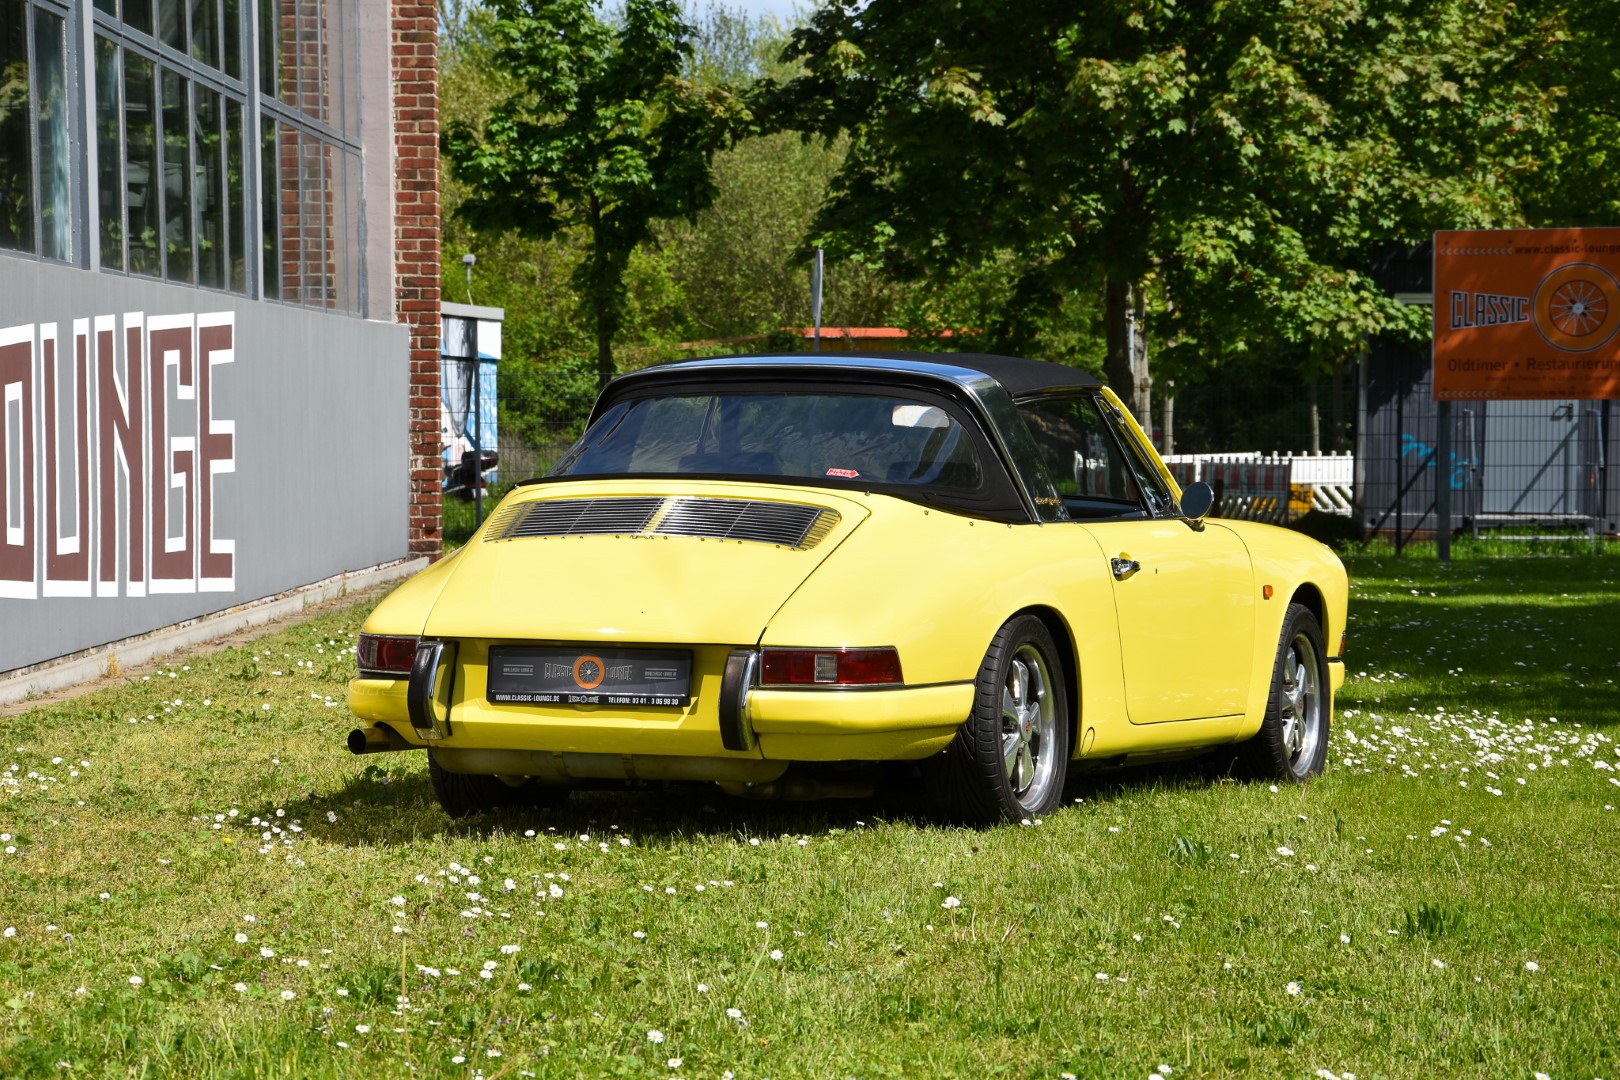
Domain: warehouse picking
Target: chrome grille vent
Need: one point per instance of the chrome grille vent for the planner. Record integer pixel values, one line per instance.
(790, 525)
(583, 517)
(737, 519)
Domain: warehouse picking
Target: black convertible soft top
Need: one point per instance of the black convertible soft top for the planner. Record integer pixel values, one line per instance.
(1020, 377)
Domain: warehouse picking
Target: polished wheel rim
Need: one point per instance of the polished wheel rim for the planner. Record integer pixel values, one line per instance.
(1301, 703)
(1028, 727)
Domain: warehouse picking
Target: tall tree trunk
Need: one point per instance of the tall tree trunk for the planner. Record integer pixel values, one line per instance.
(1125, 366)
(1336, 438)
(603, 295)
(1118, 368)
(605, 368)
(1316, 418)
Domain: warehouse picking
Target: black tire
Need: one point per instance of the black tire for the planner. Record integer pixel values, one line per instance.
(463, 794)
(1010, 758)
(1292, 741)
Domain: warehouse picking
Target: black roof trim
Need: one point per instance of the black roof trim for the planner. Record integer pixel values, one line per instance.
(1018, 376)
(1022, 376)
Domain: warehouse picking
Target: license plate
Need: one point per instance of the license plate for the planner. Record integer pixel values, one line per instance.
(521, 675)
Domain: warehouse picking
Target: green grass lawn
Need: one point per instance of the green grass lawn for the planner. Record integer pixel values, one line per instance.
(197, 879)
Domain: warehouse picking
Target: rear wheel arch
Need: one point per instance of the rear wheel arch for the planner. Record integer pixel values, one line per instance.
(1069, 655)
(1009, 758)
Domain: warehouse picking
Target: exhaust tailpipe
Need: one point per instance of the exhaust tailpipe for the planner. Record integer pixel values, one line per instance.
(377, 739)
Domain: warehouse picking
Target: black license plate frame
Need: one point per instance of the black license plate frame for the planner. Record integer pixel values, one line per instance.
(589, 675)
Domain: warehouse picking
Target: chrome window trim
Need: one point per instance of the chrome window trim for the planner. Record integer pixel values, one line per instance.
(1134, 460)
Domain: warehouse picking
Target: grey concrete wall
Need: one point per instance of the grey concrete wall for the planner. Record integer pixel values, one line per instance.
(308, 438)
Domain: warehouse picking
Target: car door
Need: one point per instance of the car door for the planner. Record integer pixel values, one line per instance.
(1184, 593)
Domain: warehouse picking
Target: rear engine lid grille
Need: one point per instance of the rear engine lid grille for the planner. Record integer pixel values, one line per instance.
(579, 517)
(791, 525)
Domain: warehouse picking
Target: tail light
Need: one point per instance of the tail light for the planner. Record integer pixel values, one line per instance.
(830, 667)
(382, 656)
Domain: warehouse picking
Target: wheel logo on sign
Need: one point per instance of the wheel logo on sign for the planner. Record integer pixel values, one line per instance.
(1575, 307)
(588, 672)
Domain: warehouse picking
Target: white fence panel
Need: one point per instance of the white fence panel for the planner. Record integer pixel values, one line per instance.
(1272, 487)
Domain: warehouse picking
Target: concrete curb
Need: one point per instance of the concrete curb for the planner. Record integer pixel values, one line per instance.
(88, 665)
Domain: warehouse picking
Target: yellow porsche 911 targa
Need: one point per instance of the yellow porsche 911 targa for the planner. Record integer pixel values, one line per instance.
(785, 575)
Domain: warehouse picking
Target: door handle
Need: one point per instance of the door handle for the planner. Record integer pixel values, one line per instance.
(1124, 568)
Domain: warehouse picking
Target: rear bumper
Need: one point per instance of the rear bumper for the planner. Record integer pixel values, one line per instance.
(788, 725)
(857, 725)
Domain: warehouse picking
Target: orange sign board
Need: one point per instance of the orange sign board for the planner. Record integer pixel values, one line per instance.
(1522, 314)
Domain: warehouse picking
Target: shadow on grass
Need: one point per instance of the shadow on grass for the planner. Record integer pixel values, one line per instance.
(385, 804)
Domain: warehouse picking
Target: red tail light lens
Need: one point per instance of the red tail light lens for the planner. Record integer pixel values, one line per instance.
(385, 657)
(830, 667)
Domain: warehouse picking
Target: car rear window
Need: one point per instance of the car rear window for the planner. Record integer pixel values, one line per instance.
(851, 437)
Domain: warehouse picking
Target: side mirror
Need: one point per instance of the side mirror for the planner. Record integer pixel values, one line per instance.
(1197, 500)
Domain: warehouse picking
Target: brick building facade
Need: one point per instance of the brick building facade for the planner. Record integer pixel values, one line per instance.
(219, 311)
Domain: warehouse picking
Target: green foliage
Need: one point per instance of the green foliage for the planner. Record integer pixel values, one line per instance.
(1433, 920)
(729, 48)
(1007, 177)
(727, 281)
(1192, 852)
(600, 135)
(738, 264)
(1237, 163)
(1577, 66)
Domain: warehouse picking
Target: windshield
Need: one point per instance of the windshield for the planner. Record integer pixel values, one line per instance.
(853, 437)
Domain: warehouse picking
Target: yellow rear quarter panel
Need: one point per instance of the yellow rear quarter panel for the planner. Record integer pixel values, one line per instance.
(938, 586)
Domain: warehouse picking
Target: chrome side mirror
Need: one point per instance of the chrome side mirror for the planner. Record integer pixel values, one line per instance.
(1197, 500)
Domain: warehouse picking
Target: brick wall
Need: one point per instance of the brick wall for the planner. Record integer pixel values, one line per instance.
(416, 250)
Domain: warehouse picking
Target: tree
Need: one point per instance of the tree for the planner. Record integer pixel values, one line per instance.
(600, 135)
(1573, 50)
(1222, 170)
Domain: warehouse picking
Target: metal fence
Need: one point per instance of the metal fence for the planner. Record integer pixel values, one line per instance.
(1533, 467)
(1271, 409)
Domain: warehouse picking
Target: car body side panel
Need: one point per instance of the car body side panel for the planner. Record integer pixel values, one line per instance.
(405, 610)
(1186, 618)
(1289, 562)
(938, 586)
